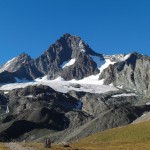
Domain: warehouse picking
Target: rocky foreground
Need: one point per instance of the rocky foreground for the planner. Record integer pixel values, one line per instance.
(39, 112)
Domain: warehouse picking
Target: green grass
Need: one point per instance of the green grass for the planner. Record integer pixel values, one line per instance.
(131, 137)
(40, 146)
(131, 133)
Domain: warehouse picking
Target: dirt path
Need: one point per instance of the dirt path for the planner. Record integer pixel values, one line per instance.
(16, 146)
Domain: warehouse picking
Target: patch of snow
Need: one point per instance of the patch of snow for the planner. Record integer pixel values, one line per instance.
(126, 57)
(7, 64)
(93, 79)
(12, 86)
(148, 103)
(124, 95)
(120, 86)
(29, 96)
(7, 110)
(45, 78)
(117, 57)
(6, 92)
(59, 79)
(111, 84)
(81, 46)
(143, 115)
(106, 64)
(68, 63)
(83, 50)
(64, 86)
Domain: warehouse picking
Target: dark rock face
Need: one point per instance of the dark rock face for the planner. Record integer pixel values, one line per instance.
(131, 74)
(16, 129)
(28, 71)
(37, 107)
(7, 77)
(66, 48)
(83, 67)
(34, 97)
(48, 118)
(3, 103)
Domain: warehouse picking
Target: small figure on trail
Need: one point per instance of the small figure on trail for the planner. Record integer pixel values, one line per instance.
(47, 143)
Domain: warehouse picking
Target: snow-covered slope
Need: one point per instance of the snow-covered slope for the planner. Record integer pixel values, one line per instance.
(7, 65)
(15, 63)
(63, 87)
(68, 63)
(70, 59)
(90, 84)
(117, 57)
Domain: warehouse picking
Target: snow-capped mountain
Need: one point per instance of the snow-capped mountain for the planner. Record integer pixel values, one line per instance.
(73, 90)
(70, 58)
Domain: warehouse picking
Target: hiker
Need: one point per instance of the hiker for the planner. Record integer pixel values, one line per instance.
(47, 143)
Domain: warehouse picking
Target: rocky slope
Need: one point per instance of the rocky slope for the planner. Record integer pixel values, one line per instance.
(38, 112)
(16, 63)
(37, 107)
(133, 73)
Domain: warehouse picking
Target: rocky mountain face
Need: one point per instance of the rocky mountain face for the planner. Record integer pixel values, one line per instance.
(68, 48)
(7, 77)
(69, 57)
(132, 74)
(36, 107)
(14, 64)
(38, 112)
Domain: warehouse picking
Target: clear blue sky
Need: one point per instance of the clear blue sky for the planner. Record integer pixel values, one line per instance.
(108, 26)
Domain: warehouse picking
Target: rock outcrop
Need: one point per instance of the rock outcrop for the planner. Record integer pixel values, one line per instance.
(132, 74)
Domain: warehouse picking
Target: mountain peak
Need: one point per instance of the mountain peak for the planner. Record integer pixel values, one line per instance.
(67, 35)
(71, 37)
(24, 56)
(15, 63)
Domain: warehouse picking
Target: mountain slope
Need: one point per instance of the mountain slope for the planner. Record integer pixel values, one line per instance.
(133, 73)
(14, 64)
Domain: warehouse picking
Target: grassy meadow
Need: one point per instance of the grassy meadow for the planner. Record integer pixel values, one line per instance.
(131, 137)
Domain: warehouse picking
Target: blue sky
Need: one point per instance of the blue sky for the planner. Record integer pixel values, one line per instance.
(108, 26)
